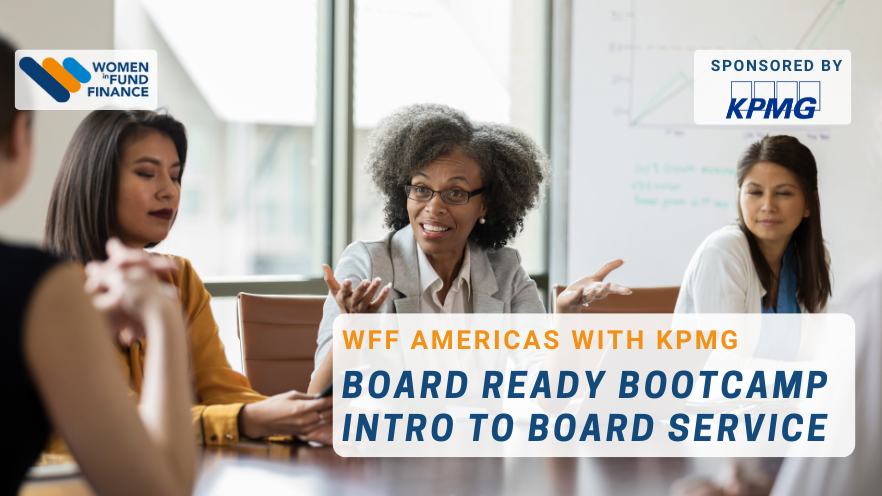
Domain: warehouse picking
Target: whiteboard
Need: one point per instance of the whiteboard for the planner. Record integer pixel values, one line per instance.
(648, 185)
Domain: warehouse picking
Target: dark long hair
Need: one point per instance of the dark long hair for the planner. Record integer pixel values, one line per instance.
(813, 273)
(8, 112)
(82, 210)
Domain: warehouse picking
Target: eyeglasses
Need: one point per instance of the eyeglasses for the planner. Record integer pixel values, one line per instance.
(449, 196)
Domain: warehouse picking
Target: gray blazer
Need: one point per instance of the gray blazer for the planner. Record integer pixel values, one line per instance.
(499, 283)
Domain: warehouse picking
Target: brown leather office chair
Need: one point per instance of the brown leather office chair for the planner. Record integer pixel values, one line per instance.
(278, 338)
(641, 300)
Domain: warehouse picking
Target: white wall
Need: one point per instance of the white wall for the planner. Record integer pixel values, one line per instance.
(49, 25)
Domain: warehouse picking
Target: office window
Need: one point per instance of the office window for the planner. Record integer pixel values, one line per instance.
(242, 77)
(485, 57)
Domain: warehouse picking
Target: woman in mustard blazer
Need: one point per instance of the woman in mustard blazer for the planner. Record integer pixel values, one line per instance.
(121, 176)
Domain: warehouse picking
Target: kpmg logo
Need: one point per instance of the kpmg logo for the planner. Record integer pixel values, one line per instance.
(85, 79)
(58, 80)
(772, 87)
(774, 99)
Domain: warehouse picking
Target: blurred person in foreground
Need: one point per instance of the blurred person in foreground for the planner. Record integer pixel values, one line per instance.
(57, 362)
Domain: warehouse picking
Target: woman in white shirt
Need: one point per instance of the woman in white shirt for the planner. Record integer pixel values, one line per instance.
(774, 259)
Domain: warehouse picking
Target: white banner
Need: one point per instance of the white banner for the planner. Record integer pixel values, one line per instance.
(772, 87)
(594, 385)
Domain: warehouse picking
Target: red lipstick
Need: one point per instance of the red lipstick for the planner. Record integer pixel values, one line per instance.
(165, 213)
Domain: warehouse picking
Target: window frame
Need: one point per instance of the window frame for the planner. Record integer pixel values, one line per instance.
(334, 149)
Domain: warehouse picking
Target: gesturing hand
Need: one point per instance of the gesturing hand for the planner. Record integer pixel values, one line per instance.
(588, 289)
(361, 300)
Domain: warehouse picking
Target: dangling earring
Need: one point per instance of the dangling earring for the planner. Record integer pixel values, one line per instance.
(482, 220)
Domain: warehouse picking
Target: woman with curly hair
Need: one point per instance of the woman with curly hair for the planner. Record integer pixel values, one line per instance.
(456, 193)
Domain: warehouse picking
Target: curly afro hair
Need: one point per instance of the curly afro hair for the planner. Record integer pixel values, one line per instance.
(513, 167)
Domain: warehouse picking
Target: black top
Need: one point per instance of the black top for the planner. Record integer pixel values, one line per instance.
(25, 425)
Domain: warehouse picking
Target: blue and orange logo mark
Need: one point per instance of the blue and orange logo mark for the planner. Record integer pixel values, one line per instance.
(59, 80)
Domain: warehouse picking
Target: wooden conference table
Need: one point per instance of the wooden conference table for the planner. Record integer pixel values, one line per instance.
(298, 469)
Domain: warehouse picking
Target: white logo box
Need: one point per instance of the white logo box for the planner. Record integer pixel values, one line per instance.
(137, 69)
(817, 84)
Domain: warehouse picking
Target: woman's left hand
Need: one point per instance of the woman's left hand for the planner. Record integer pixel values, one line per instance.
(582, 292)
(291, 413)
(324, 433)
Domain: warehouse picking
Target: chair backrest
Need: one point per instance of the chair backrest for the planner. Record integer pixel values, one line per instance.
(641, 300)
(278, 338)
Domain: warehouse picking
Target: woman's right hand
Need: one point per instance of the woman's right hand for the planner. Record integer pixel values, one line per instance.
(591, 288)
(292, 413)
(360, 300)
